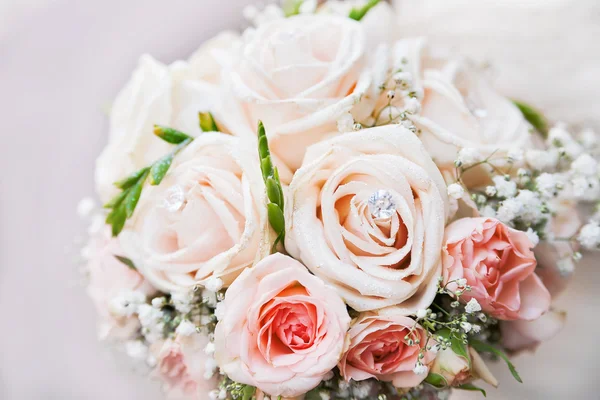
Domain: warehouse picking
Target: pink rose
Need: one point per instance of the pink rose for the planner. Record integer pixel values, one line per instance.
(205, 220)
(378, 349)
(109, 279)
(498, 264)
(282, 329)
(181, 365)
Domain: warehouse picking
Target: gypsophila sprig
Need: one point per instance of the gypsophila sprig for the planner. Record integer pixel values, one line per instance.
(123, 205)
(272, 186)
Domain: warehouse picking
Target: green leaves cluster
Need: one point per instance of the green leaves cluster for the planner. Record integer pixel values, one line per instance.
(273, 186)
(358, 13)
(534, 117)
(487, 348)
(123, 205)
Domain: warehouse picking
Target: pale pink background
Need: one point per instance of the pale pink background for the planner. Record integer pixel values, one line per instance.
(61, 64)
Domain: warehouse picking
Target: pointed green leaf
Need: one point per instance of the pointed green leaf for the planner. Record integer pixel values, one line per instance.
(170, 135)
(472, 388)
(276, 217)
(273, 192)
(131, 180)
(359, 13)
(487, 348)
(533, 116)
(436, 380)
(207, 122)
(126, 261)
(266, 167)
(159, 169)
(116, 218)
(133, 196)
(116, 200)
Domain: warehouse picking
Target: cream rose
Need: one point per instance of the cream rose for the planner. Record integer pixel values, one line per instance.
(158, 94)
(460, 109)
(297, 75)
(282, 329)
(373, 260)
(207, 218)
(455, 370)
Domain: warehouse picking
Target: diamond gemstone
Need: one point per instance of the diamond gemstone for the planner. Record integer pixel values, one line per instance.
(381, 204)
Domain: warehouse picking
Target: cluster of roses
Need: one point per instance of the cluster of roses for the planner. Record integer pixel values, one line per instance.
(371, 136)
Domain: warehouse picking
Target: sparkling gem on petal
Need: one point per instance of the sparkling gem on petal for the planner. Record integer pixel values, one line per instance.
(174, 198)
(381, 204)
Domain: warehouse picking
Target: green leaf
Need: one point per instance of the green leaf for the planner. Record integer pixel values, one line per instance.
(133, 195)
(116, 218)
(359, 13)
(273, 192)
(276, 218)
(266, 167)
(159, 169)
(170, 135)
(291, 7)
(273, 186)
(487, 348)
(534, 117)
(116, 200)
(436, 380)
(247, 392)
(207, 122)
(131, 180)
(472, 388)
(126, 261)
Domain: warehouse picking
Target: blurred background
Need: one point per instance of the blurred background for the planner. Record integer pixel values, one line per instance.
(62, 63)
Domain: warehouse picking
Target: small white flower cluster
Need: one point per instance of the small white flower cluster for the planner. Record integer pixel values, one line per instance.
(589, 235)
(183, 300)
(468, 157)
(126, 303)
(152, 321)
(393, 85)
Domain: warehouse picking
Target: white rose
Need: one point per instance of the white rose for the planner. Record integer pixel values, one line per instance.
(207, 218)
(460, 109)
(373, 262)
(298, 75)
(158, 94)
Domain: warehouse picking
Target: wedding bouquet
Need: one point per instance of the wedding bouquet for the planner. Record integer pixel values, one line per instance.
(320, 209)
